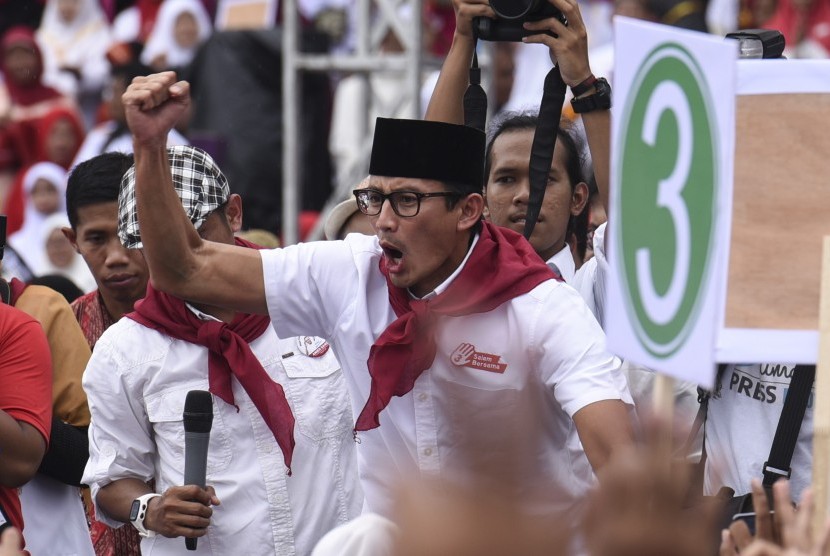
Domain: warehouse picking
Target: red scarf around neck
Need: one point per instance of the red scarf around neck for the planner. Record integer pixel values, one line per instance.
(502, 266)
(229, 355)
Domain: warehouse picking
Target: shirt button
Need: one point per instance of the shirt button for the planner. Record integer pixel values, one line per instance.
(422, 397)
(428, 451)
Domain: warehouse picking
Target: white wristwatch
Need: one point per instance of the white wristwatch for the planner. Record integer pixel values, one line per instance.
(138, 512)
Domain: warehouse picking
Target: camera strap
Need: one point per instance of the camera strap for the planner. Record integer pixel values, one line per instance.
(475, 99)
(544, 141)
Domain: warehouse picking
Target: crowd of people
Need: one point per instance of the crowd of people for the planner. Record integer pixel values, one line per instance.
(428, 381)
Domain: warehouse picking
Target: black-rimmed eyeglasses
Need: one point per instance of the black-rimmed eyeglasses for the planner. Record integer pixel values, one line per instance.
(405, 203)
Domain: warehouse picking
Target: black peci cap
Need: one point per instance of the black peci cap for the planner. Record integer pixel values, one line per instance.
(428, 150)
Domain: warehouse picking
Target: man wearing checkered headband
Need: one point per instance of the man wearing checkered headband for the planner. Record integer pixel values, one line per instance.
(265, 390)
(462, 350)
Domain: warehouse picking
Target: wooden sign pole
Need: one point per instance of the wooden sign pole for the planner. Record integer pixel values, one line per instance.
(821, 415)
(663, 401)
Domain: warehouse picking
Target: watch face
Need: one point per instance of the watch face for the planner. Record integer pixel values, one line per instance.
(134, 510)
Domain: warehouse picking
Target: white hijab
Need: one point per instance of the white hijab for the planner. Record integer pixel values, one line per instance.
(162, 40)
(77, 270)
(81, 43)
(27, 241)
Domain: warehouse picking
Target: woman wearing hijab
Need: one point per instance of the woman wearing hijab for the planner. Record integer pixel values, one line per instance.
(59, 257)
(27, 100)
(22, 66)
(44, 187)
(59, 135)
(74, 36)
(182, 26)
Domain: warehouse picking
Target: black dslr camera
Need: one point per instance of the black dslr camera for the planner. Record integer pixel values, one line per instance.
(510, 15)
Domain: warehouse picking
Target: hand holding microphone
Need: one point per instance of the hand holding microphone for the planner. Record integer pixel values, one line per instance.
(185, 511)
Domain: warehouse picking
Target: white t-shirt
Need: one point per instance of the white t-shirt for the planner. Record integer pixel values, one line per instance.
(137, 381)
(741, 422)
(546, 349)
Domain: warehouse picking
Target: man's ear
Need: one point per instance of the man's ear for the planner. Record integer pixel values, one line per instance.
(579, 198)
(472, 207)
(233, 212)
(69, 234)
(486, 211)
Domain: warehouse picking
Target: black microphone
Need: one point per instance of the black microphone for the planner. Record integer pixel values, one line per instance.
(198, 418)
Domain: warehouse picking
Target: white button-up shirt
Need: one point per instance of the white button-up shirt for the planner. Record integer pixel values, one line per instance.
(503, 387)
(137, 381)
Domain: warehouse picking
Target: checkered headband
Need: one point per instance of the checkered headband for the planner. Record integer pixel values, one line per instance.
(198, 181)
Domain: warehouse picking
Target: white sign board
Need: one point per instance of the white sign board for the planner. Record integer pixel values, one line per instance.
(671, 167)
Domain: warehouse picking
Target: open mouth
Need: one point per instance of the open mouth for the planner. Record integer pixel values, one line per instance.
(393, 254)
(393, 257)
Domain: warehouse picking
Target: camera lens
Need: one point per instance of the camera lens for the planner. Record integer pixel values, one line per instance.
(513, 9)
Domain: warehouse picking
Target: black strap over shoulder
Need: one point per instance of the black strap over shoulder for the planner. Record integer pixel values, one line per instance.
(777, 465)
(544, 141)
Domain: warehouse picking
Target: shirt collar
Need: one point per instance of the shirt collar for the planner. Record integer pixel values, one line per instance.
(563, 262)
(446, 283)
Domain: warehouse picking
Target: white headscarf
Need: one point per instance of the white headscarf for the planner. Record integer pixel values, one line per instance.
(27, 241)
(77, 270)
(162, 40)
(81, 43)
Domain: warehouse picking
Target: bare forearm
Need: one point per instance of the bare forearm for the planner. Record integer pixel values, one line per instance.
(166, 232)
(181, 263)
(598, 131)
(447, 101)
(179, 511)
(21, 450)
(116, 498)
(604, 428)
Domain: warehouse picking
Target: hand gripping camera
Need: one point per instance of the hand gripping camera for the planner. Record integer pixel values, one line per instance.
(510, 15)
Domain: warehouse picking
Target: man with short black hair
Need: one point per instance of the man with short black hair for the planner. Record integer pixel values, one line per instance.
(121, 274)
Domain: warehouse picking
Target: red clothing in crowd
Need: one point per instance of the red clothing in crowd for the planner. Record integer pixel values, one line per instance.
(45, 150)
(798, 24)
(30, 101)
(26, 375)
